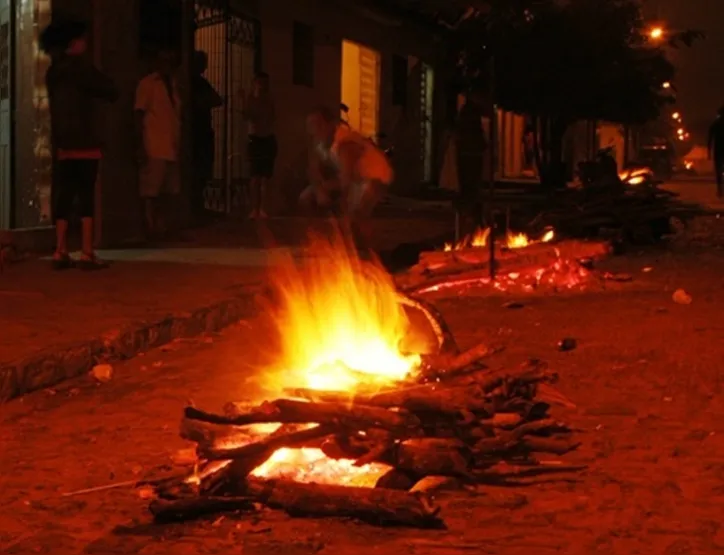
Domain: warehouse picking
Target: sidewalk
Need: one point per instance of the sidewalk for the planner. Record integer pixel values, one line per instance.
(57, 325)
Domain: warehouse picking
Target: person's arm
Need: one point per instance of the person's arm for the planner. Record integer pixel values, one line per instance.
(99, 84)
(215, 99)
(141, 106)
(710, 140)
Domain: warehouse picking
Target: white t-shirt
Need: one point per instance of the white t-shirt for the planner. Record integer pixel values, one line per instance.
(161, 117)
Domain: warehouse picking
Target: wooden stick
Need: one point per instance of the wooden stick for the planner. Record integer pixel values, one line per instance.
(290, 411)
(181, 510)
(269, 444)
(376, 506)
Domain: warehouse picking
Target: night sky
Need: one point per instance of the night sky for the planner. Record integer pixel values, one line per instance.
(700, 69)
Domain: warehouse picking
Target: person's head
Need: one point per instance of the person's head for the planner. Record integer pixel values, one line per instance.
(165, 61)
(261, 82)
(720, 112)
(201, 62)
(65, 37)
(322, 124)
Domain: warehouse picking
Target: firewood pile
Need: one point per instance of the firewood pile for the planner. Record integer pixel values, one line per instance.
(455, 418)
(559, 265)
(638, 215)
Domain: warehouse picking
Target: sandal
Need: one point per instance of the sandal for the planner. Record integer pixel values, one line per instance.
(62, 261)
(91, 263)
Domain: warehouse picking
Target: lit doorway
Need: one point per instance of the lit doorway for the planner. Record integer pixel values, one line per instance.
(360, 86)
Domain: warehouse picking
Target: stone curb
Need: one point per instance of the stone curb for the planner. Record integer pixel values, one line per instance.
(61, 363)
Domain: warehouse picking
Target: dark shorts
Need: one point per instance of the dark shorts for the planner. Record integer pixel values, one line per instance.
(74, 180)
(262, 155)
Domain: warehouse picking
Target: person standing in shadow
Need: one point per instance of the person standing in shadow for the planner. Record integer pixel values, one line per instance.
(74, 84)
(471, 145)
(205, 99)
(716, 150)
(259, 111)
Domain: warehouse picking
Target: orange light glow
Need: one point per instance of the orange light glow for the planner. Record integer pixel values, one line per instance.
(512, 240)
(340, 322)
(312, 465)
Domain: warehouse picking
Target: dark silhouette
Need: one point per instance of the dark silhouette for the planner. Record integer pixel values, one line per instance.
(205, 99)
(716, 149)
(259, 111)
(471, 147)
(73, 84)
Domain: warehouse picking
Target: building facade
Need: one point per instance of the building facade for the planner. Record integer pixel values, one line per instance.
(317, 52)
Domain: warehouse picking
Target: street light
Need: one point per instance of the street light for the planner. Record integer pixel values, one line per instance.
(656, 33)
(676, 116)
(666, 85)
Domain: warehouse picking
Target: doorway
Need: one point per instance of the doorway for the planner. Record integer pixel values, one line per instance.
(6, 122)
(360, 87)
(427, 96)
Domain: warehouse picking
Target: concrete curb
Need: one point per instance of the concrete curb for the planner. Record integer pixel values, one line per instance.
(57, 364)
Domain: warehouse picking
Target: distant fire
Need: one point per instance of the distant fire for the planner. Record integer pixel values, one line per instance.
(512, 240)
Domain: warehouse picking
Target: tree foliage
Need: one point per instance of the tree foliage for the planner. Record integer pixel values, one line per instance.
(574, 59)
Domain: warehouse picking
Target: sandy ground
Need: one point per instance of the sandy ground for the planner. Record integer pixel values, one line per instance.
(646, 376)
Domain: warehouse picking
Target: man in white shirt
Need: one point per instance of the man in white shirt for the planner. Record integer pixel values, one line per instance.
(158, 129)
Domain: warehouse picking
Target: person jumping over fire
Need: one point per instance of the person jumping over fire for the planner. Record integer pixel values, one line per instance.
(346, 165)
(716, 150)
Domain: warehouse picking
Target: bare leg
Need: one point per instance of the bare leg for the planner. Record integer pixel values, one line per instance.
(263, 182)
(255, 197)
(149, 206)
(87, 237)
(61, 239)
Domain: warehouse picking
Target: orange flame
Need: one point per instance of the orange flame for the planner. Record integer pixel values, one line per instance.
(512, 240)
(341, 323)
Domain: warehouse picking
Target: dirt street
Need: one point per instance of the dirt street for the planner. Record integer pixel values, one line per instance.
(646, 375)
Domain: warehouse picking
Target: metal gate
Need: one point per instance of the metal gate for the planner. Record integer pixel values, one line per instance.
(427, 89)
(231, 41)
(6, 111)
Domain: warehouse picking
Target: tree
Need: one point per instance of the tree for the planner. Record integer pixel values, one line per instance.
(564, 61)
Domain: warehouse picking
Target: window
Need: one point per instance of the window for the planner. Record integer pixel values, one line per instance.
(399, 80)
(303, 55)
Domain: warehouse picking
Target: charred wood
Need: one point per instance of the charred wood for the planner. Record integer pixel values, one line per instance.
(373, 505)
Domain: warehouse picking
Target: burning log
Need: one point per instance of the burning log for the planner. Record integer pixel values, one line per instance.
(446, 340)
(264, 448)
(376, 506)
(290, 411)
(533, 254)
(445, 367)
(180, 510)
(432, 457)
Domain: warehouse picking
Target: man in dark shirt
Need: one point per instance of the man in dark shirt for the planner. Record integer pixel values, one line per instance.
(205, 99)
(73, 85)
(716, 149)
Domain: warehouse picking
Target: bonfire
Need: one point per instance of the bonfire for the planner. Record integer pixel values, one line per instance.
(519, 262)
(373, 399)
(512, 240)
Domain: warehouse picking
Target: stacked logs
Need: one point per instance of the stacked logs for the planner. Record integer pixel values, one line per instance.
(456, 419)
(440, 267)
